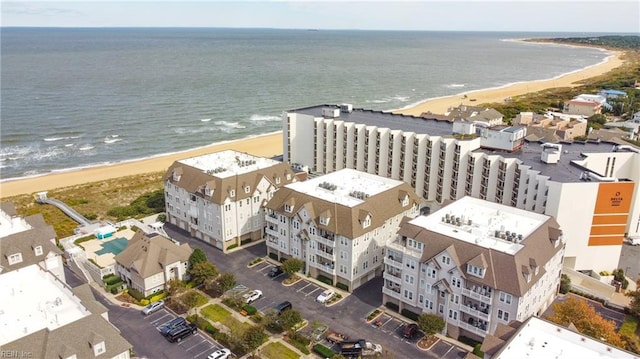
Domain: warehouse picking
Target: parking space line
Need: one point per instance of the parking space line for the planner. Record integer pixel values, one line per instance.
(193, 346)
(450, 349)
(204, 351)
(161, 318)
(303, 287)
(312, 291)
(265, 267)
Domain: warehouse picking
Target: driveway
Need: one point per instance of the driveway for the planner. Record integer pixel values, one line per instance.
(630, 261)
(347, 316)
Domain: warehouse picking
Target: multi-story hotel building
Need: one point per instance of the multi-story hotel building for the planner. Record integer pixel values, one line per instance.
(476, 263)
(339, 223)
(219, 197)
(589, 187)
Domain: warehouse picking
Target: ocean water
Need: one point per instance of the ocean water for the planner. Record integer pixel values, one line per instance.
(73, 98)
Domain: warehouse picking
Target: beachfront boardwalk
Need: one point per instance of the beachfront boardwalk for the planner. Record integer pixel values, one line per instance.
(42, 198)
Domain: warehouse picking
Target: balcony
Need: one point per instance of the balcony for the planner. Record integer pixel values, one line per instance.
(394, 260)
(391, 292)
(477, 328)
(272, 241)
(327, 255)
(471, 309)
(328, 267)
(271, 218)
(399, 246)
(478, 294)
(272, 230)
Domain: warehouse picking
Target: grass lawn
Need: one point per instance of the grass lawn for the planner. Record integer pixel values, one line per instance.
(216, 313)
(277, 350)
(201, 299)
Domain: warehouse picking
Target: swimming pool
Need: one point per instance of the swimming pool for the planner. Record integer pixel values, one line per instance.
(114, 246)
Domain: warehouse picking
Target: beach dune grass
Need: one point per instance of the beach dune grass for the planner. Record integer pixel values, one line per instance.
(216, 313)
(277, 350)
(94, 197)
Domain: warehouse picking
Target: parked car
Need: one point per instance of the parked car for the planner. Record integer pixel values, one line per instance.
(171, 325)
(325, 296)
(252, 296)
(634, 241)
(283, 306)
(223, 353)
(410, 330)
(181, 332)
(153, 307)
(275, 271)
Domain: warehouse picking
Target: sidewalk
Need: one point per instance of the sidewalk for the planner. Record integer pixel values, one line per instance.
(112, 297)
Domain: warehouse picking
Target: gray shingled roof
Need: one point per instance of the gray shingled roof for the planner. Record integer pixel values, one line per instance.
(148, 254)
(503, 271)
(26, 241)
(345, 220)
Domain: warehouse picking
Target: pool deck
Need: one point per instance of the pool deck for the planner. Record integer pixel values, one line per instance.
(95, 245)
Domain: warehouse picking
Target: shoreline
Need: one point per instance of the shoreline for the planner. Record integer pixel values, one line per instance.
(271, 144)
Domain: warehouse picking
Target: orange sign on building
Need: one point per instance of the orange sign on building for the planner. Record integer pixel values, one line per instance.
(611, 213)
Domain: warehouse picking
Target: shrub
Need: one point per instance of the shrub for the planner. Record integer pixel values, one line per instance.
(323, 351)
(116, 286)
(162, 218)
(210, 329)
(476, 350)
(251, 310)
(273, 256)
(134, 293)
(470, 342)
(83, 239)
(91, 216)
(392, 306)
(110, 279)
(157, 296)
(342, 286)
(373, 314)
(144, 302)
(114, 290)
(235, 245)
(245, 241)
(409, 314)
(565, 284)
(325, 280)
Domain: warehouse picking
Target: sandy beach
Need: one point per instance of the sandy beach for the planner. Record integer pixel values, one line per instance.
(271, 144)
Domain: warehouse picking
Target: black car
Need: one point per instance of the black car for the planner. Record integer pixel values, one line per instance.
(181, 332)
(275, 271)
(173, 324)
(410, 330)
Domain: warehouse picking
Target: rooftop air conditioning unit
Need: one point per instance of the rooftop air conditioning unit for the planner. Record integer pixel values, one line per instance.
(331, 112)
(346, 108)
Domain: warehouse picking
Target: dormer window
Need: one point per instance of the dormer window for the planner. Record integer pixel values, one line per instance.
(72, 356)
(15, 258)
(324, 221)
(208, 191)
(288, 208)
(476, 271)
(367, 222)
(278, 180)
(405, 201)
(38, 250)
(232, 193)
(247, 189)
(99, 348)
(288, 176)
(176, 175)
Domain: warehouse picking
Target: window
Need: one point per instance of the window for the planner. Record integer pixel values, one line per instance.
(476, 271)
(98, 348)
(453, 314)
(431, 272)
(324, 221)
(455, 282)
(428, 304)
(247, 189)
(408, 294)
(411, 264)
(38, 250)
(232, 193)
(503, 315)
(277, 180)
(227, 207)
(454, 298)
(408, 278)
(446, 260)
(440, 308)
(367, 222)
(15, 258)
(288, 208)
(296, 224)
(505, 297)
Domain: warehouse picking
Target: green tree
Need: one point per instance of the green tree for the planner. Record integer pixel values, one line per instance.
(175, 287)
(197, 256)
(597, 119)
(289, 318)
(634, 306)
(190, 299)
(254, 337)
(203, 271)
(430, 324)
(565, 284)
(226, 281)
(155, 200)
(586, 320)
(292, 265)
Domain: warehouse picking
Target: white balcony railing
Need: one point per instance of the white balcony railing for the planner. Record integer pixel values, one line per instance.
(473, 329)
(391, 277)
(474, 312)
(323, 254)
(476, 295)
(272, 231)
(398, 246)
(392, 261)
(391, 292)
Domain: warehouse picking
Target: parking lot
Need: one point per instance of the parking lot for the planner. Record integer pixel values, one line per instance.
(303, 289)
(393, 326)
(196, 346)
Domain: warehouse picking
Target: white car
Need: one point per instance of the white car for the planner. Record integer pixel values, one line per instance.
(252, 296)
(155, 306)
(223, 353)
(325, 296)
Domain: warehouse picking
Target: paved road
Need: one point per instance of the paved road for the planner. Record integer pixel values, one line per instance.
(347, 317)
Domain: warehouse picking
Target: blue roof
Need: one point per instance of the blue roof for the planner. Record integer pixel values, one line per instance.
(614, 92)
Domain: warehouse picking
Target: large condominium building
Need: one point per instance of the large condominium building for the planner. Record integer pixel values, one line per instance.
(589, 187)
(43, 318)
(339, 223)
(219, 197)
(475, 263)
(27, 241)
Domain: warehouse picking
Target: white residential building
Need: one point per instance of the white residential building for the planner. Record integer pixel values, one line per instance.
(538, 338)
(27, 241)
(151, 260)
(42, 317)
(475, 263)
(339, 223)
(445, 163)
(219, 197)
